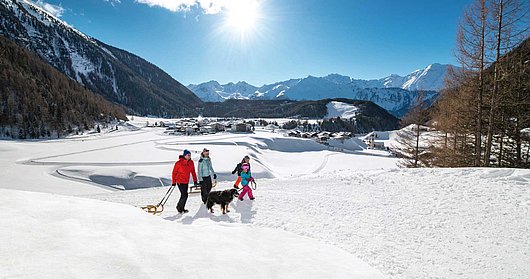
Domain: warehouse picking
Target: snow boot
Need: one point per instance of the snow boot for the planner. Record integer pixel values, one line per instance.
(183, 211)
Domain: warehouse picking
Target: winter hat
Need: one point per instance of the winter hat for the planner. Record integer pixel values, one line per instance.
(245, 166)
(186, 152)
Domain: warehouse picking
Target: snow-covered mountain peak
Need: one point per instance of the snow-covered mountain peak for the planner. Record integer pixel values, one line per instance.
(46, 17)
(430, 78)
(212, 82)
(213, 91)
(242, 83)
(338, 79)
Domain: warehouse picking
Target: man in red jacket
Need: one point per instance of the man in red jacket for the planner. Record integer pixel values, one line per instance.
(181, 176)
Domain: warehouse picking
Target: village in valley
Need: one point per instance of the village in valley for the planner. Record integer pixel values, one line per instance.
(305, 129)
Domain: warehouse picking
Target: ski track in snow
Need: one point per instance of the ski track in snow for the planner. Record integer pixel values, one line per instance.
(159, 144)
(406, 223)
(323, 165)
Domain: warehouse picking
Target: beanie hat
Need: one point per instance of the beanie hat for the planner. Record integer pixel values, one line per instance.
(186, 152)
(245, 166)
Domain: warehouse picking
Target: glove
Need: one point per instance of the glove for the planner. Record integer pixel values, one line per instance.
(251, 179)
(214, 176)
(173, 184)
(234, 172)
(195, 184)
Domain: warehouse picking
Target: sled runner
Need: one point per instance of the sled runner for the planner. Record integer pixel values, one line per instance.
(194, 189)
(154, 209)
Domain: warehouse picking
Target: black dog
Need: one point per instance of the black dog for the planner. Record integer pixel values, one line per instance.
(221, 197)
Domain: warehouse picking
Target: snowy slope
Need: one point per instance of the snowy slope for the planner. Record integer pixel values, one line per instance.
(53, 236)
(208, 91)
(427, 223)
(430, 78)
(405, 223)
(342, 110)
(396, 101)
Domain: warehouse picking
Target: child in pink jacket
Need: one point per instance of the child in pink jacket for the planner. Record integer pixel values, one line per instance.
(246, 178)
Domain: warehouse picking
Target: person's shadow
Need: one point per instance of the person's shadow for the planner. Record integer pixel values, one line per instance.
(202, 212)
(245, 209)
(174, 217)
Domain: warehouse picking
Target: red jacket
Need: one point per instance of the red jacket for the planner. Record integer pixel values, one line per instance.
(182, 170)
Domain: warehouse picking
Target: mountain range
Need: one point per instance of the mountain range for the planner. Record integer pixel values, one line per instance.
(119, 76)
(394, 93)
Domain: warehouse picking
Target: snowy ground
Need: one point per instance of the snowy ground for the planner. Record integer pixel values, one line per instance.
(52, 236)
(330, 214)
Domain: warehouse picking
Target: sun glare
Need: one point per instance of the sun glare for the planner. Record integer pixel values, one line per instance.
(244, 25)
(242, 16)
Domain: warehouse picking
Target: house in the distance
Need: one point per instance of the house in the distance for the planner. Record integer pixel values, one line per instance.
(218, 127)
(374, 140)
(241, 127)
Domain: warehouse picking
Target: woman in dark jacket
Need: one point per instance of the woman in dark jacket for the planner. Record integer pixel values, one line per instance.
(181, 177)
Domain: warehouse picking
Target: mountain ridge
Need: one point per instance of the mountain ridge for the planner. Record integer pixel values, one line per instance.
(119, 76)
(394, 93)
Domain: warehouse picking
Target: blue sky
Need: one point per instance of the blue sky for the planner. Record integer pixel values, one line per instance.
(198, 40)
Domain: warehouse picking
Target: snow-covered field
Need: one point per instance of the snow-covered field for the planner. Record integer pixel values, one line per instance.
(318, 213)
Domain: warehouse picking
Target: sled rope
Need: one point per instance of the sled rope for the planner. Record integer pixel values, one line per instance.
(251, 184)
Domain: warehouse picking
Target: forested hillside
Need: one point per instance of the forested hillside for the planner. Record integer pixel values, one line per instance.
(36, 100)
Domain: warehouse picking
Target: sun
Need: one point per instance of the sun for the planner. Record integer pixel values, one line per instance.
(242, 16)
(244, 24)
